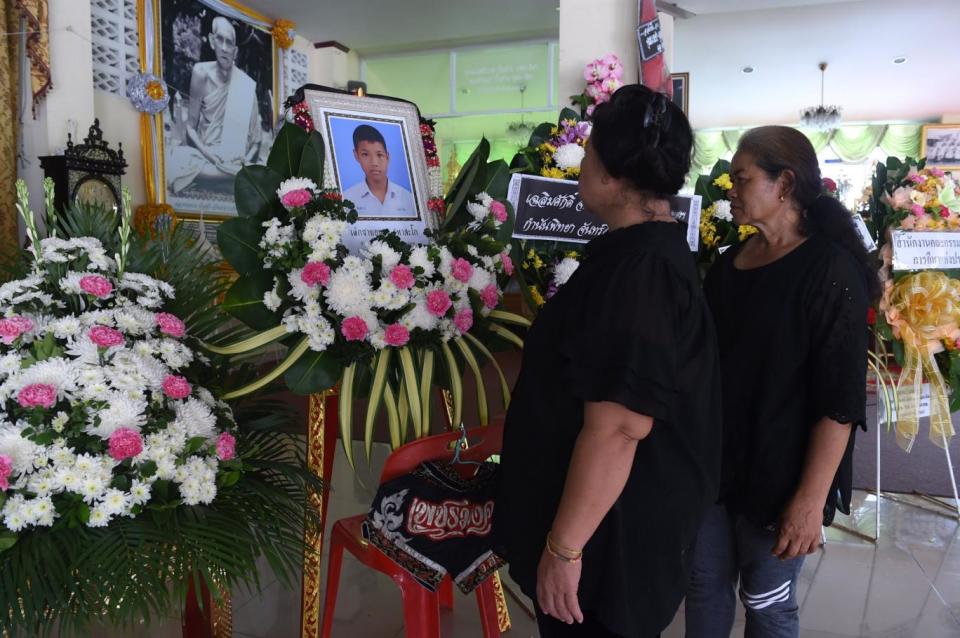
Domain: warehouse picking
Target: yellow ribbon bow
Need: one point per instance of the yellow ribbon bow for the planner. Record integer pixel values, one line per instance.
(923, 309)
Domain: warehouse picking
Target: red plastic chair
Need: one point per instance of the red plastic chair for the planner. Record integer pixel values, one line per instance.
(421, 607)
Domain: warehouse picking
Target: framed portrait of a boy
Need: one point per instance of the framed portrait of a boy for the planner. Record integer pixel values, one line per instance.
(221, 68)
(375, 158)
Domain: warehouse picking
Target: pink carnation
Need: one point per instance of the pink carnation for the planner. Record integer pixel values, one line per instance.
(315, 272)
(176, 387)
(37, 395)
(507, 263)
(463, 320)
(402, 277)
(354, 328)
(396, 335)
(944, 212)
(226, 446)
(170, 324)
(461, 269)
(499, 211)
(438, 303)
(96, 285)
(296, 199)
(12, 327)
(917, 178)
(917, 210)
(490, 296)
(105, 337)
(936, 172)
(6, 469)
(125, 443)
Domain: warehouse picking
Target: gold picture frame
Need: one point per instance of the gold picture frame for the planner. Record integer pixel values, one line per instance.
(681, 91)
(178, 34)
(932, 136)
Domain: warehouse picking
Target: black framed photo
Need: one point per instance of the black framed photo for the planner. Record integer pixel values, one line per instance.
(940, 144)
(681, 91)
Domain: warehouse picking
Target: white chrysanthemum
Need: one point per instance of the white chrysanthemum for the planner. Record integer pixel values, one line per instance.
(419, 316)
(20, 450)
(134, 320)
(299, 289)
(721, 210)
(10, 363)
(568, 156)
(484, 198)
(564, 270)
(122, 412)
(115, 501)
(388, 256)
(271, 298)
(139, 492)
(348, 292)
(98, 517)
(320, 333)
(65, 327)
(174, 354)
(196, 418)
(480, 279)
(419, 258)
(58, 372)
(389, 297)
(296, 184)
(40, 511)
(478, 211)
(13, 517)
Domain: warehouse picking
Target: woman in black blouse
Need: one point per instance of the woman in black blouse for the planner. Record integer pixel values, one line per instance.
(790, 308)
(611, 449)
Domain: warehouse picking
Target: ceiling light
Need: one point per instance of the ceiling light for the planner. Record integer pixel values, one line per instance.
(821, 117)
(747, 69)
(900, 59)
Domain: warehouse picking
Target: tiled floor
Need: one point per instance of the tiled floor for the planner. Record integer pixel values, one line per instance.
(908, 585)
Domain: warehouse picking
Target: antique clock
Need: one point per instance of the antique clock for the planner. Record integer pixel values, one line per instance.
(86, 173)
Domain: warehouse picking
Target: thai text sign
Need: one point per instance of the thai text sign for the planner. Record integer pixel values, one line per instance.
(926, 250)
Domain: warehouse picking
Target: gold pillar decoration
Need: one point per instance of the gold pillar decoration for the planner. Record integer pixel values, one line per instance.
(310, 591)
(221, 614)
(34, 13)
(9, 90)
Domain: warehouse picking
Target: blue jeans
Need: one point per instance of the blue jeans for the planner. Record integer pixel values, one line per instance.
(732, 550)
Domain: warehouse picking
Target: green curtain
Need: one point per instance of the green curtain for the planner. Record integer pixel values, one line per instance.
(708, 147)
(731, 137)
(855, 143)
(902, 140)
(819, 139)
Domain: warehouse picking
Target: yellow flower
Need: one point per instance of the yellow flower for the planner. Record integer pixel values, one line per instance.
(745, 231)
(572, 173)
(708, 212)
(553, 172)
(282, 33)
(554, 131)
(155, 90)
(708, 233)
(573, 255)
(723, 182)
(537, 297)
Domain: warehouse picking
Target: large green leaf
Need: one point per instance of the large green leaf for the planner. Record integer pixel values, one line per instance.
(497, 179)
(568, 114)
(255, 190)
(239, 240)
(287, 150)
(466, 183)
(312, 158)
(244, 301)
(540, 134)
(313, 372)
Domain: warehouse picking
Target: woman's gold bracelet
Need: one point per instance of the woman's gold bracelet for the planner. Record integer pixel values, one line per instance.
(563, 553)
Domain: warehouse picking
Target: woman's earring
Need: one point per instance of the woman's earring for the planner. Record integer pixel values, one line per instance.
(781, 198)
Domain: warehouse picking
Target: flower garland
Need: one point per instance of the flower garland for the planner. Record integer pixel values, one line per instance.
(283, 33)
(393, 293)
(434, 173)
(100, 409)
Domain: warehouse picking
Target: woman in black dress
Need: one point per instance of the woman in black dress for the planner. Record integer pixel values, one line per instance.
(790, 309)
(611, 450)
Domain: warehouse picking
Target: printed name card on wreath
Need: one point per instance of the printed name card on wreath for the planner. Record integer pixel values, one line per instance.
(925, 250)
(374, 148)
(550, 209)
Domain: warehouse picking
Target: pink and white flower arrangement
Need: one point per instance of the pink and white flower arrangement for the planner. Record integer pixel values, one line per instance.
(392, 292)
(97, 398)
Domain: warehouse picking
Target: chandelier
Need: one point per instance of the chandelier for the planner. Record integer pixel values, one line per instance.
(821, 117)
(521, 127)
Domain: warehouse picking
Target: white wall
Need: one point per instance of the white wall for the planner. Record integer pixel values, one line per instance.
(857, 39)
(332, 67)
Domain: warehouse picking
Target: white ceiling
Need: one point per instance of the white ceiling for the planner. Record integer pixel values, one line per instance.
(374, 26)
(857, 39)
